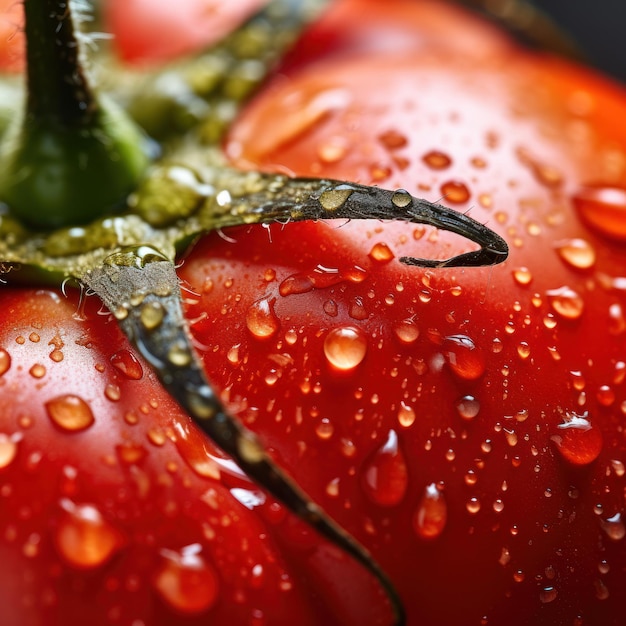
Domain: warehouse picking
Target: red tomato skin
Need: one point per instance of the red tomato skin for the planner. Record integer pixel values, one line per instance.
(534, 518)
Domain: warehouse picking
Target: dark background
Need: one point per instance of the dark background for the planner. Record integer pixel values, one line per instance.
(598, 26)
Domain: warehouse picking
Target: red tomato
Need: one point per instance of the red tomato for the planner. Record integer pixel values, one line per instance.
(11, 36)
(153, 31)
(464, 424)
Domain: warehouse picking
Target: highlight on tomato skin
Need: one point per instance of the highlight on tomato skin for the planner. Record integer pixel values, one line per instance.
(465, 424)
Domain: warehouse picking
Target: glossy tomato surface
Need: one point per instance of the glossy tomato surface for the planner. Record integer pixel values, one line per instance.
(464, 424)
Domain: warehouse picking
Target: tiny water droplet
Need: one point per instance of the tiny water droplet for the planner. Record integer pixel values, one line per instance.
(473, 505)
(324, 429)
(8, 448)
(577, 253)
(566, 302)
(5, 361)
(401, 198)
(605, 395)
(345, 347)
(128, 364)
(468, 407)
(381, 253)
(393, 139)
(578, 442)
(464, 359)
(151, 314)
(522, 276)
(261, 319)
(604, 209)
(614, 527)
(547, 595)
(83, 538)
(523, 350)
(185, 580)
(37, 371)
(406, 415)
(335, 198)
(406, 331)
(431, 515)
(69, 412)
(385, 474)
(437, 160)
(455, 191)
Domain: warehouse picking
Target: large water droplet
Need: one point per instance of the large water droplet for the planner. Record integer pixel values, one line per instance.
(186, 581)
(401, 198)
(84, 538)
(431, 515)
(464, 359)
(69, 412)
(578, 442)
(345, 347)
(566, 302)
(385, 475)
(603, 208)
(128, 364)
(261, 319)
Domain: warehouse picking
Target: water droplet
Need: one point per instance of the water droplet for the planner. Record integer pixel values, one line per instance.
(577, 253)
(113, 392)
(522, 276)
(69, 412)
(334, 198)
(523, 350)
(566, 302)
(186, 581)
(401, 198)
(455, 191)
(431, 515)
(332, 488)
(605, 395)
(324, 429)
(83, 538)
(614, 527)
(464, 359)
(8, 448)
(547, 595)
(37, 371)
(5, 361)
(261, 319)
(578, 442)
(473, 506)
(604, 209)
(385, 475)
(34, 337)
(406, 331)
(437, 160)
(345, 347)
(151, 314)
(393, 139)
(468, 407)
(128, 364)
(406, 415)
(179, 354)
(381, 253)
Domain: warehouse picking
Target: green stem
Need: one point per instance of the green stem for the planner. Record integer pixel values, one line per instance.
(58, 89)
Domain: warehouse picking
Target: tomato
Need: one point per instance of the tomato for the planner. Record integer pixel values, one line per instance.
(11, 37)
(464, 424)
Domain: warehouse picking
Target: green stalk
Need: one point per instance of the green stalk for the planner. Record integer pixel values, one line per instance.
(73, 156)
